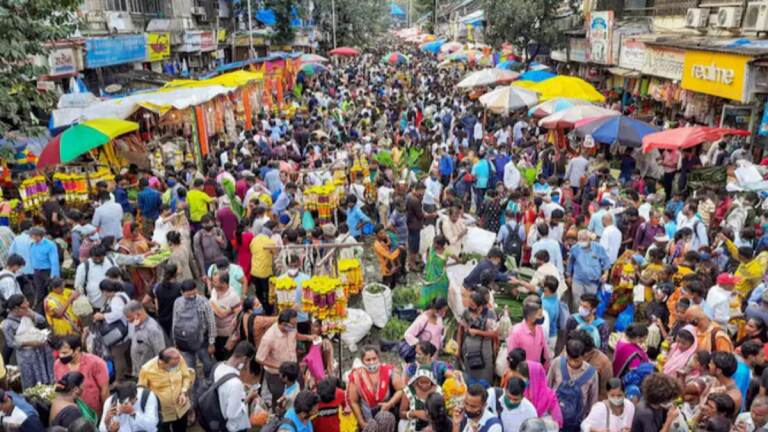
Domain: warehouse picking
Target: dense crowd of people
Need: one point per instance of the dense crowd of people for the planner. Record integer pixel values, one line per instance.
(646, 311)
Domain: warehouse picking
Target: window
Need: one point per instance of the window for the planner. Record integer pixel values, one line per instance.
(134, 6)
(116, 5)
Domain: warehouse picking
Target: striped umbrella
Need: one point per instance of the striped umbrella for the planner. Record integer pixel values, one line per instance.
(395, 58)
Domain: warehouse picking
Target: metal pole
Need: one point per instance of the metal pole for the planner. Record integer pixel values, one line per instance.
(434, 26)
(333, 21)
(250, 31)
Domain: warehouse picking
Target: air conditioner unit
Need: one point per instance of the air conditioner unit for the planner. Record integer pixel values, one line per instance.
(756, 17)
(697, 18)
(198, 10)
(729, 17)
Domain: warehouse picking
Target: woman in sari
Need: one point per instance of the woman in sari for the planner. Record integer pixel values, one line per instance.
(543, 398)
(435, 277)
(373, 389)
(681, 352)
(134, 243)
(58, 309)
(413, 405)
(628, 353)
(66, 407)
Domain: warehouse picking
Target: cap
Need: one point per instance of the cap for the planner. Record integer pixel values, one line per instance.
(727, 279)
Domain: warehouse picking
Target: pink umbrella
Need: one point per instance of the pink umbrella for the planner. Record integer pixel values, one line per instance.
(587, 120)
(344, 51)
(686, 137)
(566, 118)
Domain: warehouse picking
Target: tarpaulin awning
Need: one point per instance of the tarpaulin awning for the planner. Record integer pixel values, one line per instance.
(266, 17)
(473, 19)
(625, 73)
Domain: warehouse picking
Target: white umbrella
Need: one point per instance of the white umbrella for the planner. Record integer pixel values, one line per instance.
(566, 118)
(450, 47)
(508, 98)
(487, 77)
(313, 58)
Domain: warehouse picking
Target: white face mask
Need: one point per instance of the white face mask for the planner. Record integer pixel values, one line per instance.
(293, 272)
(616, 401)
(584, 244)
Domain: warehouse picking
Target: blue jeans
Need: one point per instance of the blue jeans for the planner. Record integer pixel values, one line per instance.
(205, 358)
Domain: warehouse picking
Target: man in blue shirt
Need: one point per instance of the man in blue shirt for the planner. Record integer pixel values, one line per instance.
(21, 245)
(587, 267)
(299, 417)
(121, 194)
(284, 199)
(150, 202)
(18, 412)
(355, 217)
(445, 166)
(44, 258)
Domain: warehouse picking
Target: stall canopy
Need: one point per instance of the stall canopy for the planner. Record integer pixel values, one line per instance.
(474, 19)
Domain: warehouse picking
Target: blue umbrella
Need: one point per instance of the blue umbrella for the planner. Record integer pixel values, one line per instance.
(433, 47)
(537, 76)
(508, 64)
(622, 129)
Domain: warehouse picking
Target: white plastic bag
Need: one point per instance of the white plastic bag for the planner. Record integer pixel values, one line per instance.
(505, 324)
(456, 275)
(28, 333)
(357, 325)
(502, 365)
(378, 305)
(478, 241)
(426, 238)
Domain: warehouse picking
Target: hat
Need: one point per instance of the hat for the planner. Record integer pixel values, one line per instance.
(727, 279)
(329, 230)
(423, 371)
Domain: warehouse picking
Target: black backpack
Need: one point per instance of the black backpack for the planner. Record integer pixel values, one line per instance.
(209, 413)
(513, 244)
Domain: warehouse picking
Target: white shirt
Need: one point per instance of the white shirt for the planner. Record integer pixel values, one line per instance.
(232, 399)
(597, 416)
(142, 419)
(512, 176)
(511, 419)
(384, 195)
(96, 274)
(478, 131)
(699, 238)
(162, 227)
(611, 242)
(554, 250)
(720, 301)
(487, 415)
(576, 169)
(432, 192)
(517, 130)
(8, 284)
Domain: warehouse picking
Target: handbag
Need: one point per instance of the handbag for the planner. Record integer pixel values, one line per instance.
(475, 359)
(406, 351)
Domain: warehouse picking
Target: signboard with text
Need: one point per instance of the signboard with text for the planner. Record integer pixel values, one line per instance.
(599, 34)
(717, 74)
(158, 46)
(664, 62)
(632, 54)
(113, 50)
(63, 61)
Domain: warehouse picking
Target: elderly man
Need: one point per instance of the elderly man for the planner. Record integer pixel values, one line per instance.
(710, 336)
(611, 238)
(587, 267)
(170, 380)
(147, 337)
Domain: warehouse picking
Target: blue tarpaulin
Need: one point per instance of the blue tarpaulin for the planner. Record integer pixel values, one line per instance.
(266, 17)
(536, 76)
(396, 10)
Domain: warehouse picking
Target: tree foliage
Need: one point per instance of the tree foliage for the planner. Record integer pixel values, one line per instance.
(358, 22)
(529, 25)
(284, 33)
(26, 26)
(422, 7)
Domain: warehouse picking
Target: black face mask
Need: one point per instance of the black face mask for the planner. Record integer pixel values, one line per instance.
(473, 415)
(66, 359)
(208, 227)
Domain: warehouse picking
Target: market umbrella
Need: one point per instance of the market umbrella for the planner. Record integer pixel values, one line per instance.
(344, 52)
(536, 66)
(537, 76)
(566, 118)
(611, 129)
(313, 58)
(80, 138)
(395, 58)
(432, 47)
(458, 57)
(507, 64)
(486, 77)
(685, 137)
(508, 98)
(567, 86)
(311, 68)
(524, 84)
(450, 47)
(553, 105)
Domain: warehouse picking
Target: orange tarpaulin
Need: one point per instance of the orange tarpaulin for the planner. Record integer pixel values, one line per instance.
(202, 131)
(246, 95)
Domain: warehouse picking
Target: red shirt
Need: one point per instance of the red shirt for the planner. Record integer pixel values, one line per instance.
(94, 369)
(327, 419)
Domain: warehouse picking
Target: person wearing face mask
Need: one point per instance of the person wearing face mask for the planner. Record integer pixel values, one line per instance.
(64, 408)
(130, 409)
(299, 417)
(374, 390)
(475, 416)
(293, 263)
(426, 358)
(428, 326)
(510, 404)
(530, 336)
(587, 268)
(95, 385)
(147, 337)
(657, 412)
(169, 378)
(226, 306)
(585, 319)
(612, 415)
(193, 328)
(232, 396)
(209, 245)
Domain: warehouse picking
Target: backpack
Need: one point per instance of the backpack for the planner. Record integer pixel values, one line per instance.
(570, 396)
(187, 334)
(637, 375)
(513, 244)
(275, 424)
(209, 413)
(591, 328)
(491, 422)
(117, 331)
(143, 403)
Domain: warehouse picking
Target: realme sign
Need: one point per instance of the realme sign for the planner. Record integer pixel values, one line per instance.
(717, 74)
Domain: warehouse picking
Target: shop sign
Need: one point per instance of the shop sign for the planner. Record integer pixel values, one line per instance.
(191, 41)
(716, 74)
(632, 54)
(763, 129)
(578, 50)
(107, 51)
(664, 62)
(559, 55)
(222, 35)
(158, 46)
(207, 42)
(63, 61)
(599, 35)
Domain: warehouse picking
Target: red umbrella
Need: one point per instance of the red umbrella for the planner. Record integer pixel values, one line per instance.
(685, 137)
(344, 51)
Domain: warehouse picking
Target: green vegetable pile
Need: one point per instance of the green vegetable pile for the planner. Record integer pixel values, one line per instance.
(375, 288)
(407, 295)
(44, 392)
(395, 329)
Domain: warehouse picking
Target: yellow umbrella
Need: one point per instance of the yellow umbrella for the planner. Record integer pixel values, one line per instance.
(567, 86)
(525, 84)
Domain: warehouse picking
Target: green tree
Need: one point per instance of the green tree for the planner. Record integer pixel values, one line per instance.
(26, 26)
(422, 7)
(358, 22)
(284, 33)
(530, 25)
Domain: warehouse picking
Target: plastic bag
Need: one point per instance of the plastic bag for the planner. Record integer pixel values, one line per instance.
(314, 361)
(625, 318)
(426, 238)
(28, 333)
(82, 307)
(357, 326)
(505, 323)
(605, 300)
(378, 304)
(502, 365)
(456, 275)
(347, 422)
(478, 241)
(307, 222)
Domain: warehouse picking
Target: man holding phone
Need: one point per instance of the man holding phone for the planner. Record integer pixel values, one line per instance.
(130, 409)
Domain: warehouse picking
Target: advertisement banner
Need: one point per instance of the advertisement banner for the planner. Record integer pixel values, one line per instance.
(632, 54)
(578, 50)
(716, 74)
(191, 42)
(113, 50)
(599, 34)
(158, 46)
(207, 41)
(664, 62)
(63, 61)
